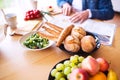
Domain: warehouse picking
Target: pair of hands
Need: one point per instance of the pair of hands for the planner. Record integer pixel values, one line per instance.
(77, 16)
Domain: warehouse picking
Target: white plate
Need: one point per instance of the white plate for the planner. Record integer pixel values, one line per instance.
(24, 37)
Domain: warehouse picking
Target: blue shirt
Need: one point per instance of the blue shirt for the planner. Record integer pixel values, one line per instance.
(100, 9)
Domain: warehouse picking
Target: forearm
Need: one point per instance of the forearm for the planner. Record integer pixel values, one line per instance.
(104, 11)
(102, 14)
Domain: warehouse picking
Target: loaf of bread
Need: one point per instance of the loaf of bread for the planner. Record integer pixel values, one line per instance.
(65, 32)
(78, 32)
(88, 43)
(72, 43)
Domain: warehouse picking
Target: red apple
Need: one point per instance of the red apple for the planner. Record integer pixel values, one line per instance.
(90, 65)
(78, 74)
(104, 65)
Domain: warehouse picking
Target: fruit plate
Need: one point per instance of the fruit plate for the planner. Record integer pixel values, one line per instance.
(80, 52)
(24, 38)
(69, 62)
(72, 64)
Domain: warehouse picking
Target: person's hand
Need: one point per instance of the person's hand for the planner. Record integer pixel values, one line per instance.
(66, 9)
(80, 16)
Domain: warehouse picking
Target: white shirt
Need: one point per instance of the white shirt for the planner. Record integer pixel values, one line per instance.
(77, 4)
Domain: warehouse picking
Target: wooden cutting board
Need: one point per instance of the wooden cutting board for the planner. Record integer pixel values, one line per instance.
(30, 25)
(27, 26)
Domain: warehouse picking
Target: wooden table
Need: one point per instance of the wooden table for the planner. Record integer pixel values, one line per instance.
(17, 63)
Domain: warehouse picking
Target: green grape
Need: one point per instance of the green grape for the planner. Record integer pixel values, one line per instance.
(67, 63)
(74, 59)
(79, 65)
(59, 75)
(68, 76)
(81, 59)
(63, 70)
(53, 72)
(74, 67)
(72, 64)
(67, 70)
(76, 56)
(62, 78)
(60, 66)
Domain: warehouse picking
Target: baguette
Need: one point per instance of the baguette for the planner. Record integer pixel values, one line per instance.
(50, 37)
(59, 29)
(65, 32)
(53, 32)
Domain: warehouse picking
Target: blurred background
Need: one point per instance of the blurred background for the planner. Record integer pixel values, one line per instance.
(19, 7)
(25, 3)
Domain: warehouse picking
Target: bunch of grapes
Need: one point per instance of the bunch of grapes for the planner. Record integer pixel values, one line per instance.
(33, 14)
(63, 70)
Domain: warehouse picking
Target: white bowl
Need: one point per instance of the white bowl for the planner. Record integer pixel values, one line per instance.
(24, 37)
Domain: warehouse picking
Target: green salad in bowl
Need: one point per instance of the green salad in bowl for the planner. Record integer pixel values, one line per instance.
(34, 41)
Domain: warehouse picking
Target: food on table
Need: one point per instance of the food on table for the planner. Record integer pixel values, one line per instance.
(98, 76)
(79, 74)
(65, 32)
(50, 32)
(78, 32)
(47, 36)
(112, 75)
(88, 43)
(90, 65)
(55, 27)
(36, 42)
(73, 38)
(104, 65)
(66, 67)
(72, 44)
(33, 14)
(56, 33)
(50, 9)
(80, 68)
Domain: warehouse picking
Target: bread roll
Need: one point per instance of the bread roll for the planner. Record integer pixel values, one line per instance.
(65, 32)
(78, 32)
(88, 43)
(72, 44)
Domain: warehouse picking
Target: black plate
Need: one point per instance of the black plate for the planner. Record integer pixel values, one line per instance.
(50, 77)
(80, 52)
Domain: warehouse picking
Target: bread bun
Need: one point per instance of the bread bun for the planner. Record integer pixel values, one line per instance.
(78, 32)
(65, 32)
(72, 44)
(88, 43)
